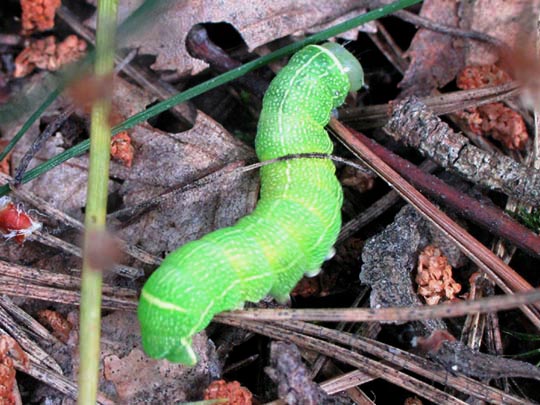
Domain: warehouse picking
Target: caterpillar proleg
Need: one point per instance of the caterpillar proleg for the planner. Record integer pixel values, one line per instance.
(290, 232)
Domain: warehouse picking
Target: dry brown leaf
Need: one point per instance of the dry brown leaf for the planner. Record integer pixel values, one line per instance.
(65, 185)
(361, 181)
(258, 23)
(513, 22)
(164, 161)
(435, 58)
(140, 380)
(128, 376)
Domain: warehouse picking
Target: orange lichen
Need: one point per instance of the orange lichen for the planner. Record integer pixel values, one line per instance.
(9, 348)
(434, 277)
(233, 392)
(502, 123)
(478, 76)
(47, 54)
(60, 326)
(38, 15)
(14, 222)
(122, 149)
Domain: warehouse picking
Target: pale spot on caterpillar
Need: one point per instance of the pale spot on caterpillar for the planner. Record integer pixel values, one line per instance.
(313, 273)
(316, 272)
(330, 254)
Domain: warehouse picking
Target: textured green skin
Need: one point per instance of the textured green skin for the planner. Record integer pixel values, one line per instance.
(291, 231)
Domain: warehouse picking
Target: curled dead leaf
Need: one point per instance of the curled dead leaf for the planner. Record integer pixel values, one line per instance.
(433, 342)
(257, 25)
(359, 180)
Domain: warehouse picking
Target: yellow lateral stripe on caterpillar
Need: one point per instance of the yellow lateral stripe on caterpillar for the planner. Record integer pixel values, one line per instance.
(162, 304)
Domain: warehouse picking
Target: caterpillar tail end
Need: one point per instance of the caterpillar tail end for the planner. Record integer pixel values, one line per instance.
(183, 353)
(160, 341)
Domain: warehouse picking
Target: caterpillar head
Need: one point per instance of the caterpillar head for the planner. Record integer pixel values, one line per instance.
(350, 64)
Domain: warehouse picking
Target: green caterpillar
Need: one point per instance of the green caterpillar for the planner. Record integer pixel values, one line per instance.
(290, 232)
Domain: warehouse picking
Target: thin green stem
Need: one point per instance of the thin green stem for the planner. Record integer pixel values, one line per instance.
(215, 82)
(96, 206)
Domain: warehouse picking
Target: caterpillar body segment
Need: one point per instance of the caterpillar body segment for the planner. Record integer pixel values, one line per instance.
(290, 232)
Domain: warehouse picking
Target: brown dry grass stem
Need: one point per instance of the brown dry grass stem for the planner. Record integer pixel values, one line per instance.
(374, 116)
(33, 275)
(33, 283)
(26, 320)
(397, 358)
(35, 352)
(60, 296)
(364, 364)
(41, 284)
(57, 381)
(426, 23)
(485, 305)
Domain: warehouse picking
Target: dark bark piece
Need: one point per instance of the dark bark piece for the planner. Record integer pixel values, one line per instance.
(416, 126)
(295, 386)
(390, 258)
